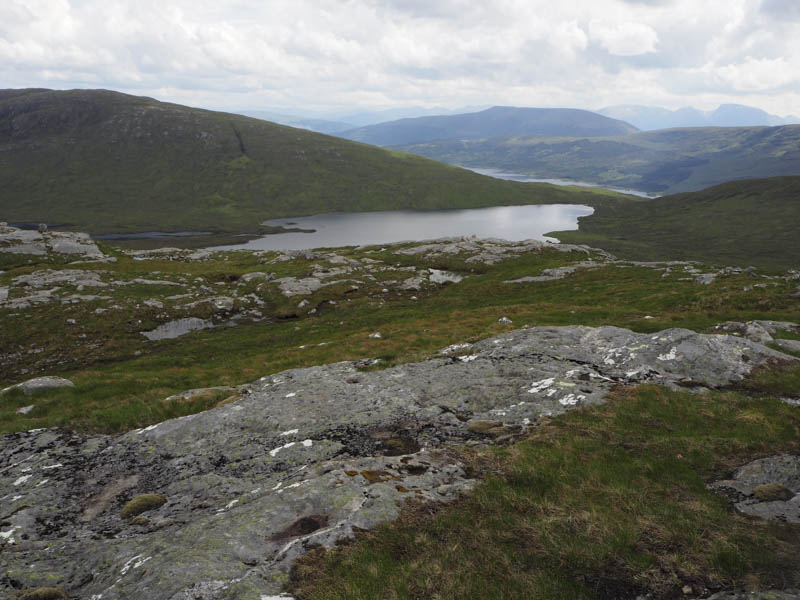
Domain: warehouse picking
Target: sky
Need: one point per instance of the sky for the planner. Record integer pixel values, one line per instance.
(338, 55)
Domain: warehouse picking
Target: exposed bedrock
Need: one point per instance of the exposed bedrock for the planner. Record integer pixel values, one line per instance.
(219, 503)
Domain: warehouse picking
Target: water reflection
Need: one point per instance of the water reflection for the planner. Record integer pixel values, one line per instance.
(354, 229)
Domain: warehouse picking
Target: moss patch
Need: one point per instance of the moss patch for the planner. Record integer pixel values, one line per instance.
(141, 504)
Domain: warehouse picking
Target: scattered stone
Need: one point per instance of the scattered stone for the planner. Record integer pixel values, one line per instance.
(504, 320)
(375, 336)
(752, 330)
(25, 409)
(39, 384)
(767, 488)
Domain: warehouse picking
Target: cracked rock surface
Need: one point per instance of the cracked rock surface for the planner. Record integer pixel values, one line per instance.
(304, 458)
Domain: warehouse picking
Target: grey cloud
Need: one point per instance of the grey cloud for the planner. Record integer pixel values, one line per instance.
(781, 9)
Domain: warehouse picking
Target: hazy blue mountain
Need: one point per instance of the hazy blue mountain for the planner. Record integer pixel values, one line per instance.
(493, 122)
(649, 118)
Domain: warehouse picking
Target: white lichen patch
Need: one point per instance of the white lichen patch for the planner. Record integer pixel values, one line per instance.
(454, 348)
(538, 386)
(671, 355)
(275, 451)
(127, 566)
(22, 479)
(571, 399)
(150, 428)
(6, 535)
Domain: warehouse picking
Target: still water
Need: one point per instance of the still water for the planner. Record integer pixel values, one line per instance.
(356, 229)
(500, 174)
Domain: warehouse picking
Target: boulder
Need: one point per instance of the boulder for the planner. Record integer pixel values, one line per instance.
(39, 384)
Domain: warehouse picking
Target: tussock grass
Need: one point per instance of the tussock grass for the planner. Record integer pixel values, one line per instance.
(602, 503)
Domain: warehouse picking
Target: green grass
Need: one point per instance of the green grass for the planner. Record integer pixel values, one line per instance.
(135, 164)
(738, 223)
(116, 390)
(600, 503)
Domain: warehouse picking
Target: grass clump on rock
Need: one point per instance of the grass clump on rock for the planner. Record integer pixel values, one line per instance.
(770, 492)
(141, 504)
(44, 593)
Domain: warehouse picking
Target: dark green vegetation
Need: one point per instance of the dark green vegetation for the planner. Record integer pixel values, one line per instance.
(105, 162)
(496, 121)
(600, 503)
(666, 161)
(736, 223)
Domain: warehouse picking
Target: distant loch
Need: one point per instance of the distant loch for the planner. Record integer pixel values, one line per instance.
(513, 223)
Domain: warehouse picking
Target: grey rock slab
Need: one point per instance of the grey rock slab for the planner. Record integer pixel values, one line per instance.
(73, 243)
(177, 328)
(752, 330)
(790, 345)
(558, 272)
(3, 293)
(441, 277)
(783, 469)
(39, 384)
(49, 277)
(304, 458)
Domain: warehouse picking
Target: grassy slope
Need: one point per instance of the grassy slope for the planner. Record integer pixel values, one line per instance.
(602, 503)
(667, 161)
(108, 162)
(737, 223)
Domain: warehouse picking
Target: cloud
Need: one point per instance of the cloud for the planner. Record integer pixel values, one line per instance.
(624, 39)
(296, 54)
(781, 9)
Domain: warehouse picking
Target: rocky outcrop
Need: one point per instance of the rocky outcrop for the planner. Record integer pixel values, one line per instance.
(39, 384)
(44, 242)
(768, 488)
(305, 458)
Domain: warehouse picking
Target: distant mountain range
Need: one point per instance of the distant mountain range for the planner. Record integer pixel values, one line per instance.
(493, 122)
(333, 123)
(107, 162)
(665, 161)
(648, 118)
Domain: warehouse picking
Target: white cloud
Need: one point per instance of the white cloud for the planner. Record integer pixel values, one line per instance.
(292, 54)
(624, 39)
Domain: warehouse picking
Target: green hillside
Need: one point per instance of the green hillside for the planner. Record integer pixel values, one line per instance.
(665, 161)
(752, 222)
(106, 162)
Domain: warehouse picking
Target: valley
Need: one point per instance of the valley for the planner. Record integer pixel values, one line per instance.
(187, 416)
